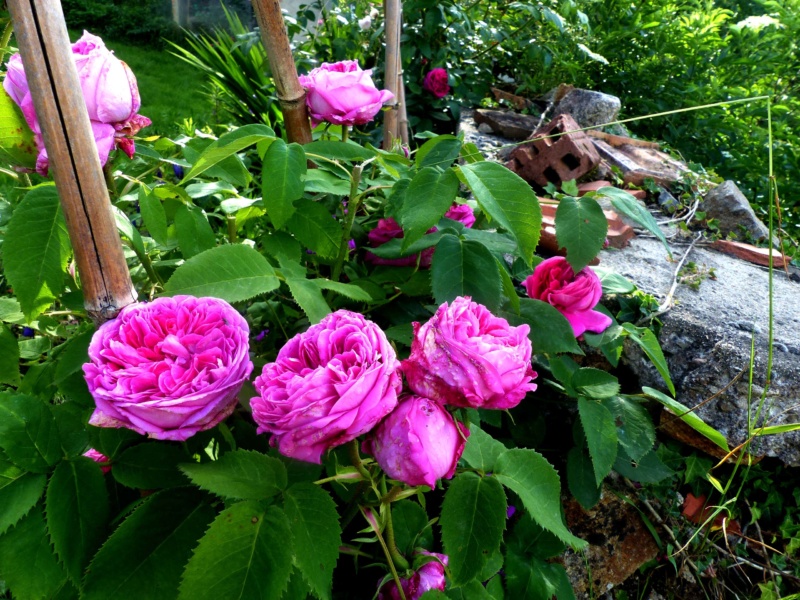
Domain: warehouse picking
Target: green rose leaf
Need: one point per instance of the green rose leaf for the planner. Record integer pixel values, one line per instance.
(245, 554)
(77, 511)
(601, 436)
(429, 195)
(473, 519)
(194, 232)
(28, 432)
(145, 556)
(150, 466)
(28, 564)
(411, 526)
(312, 224)
(507, 199)
(283, 172)
(234, 273)
(19, 492)
(9, 356)
(455, 263)
(36, 250)
(228, 145)
(581, 228)
(481, 450)
(535, 481)
(550, 332)
(314, 522)
(580, 478)
(240, 475)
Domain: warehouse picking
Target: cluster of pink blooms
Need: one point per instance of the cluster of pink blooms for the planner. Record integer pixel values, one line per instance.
(109, 90)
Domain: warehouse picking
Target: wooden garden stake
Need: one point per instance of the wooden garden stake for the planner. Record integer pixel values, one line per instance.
(291, 94)
(391, 12)
(53, 80)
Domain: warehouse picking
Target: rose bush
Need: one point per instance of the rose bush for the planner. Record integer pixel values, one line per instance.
(436, 82)
(465, 356)
(168, 368)
(574, 296)
(429, 576)
(343, 94)
(327, 386)
(109, 90)
(389, 229)
(418, 443)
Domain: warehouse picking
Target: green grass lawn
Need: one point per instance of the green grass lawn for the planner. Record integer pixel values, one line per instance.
(171, 90)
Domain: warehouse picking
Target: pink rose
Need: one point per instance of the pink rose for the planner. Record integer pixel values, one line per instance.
(99, 458)
(418, 443)
(436, 82)
(342, 94)
(168, 368)
(429, 576)
(389, 229)
(465, 356)
(553, 281)
(327, 386)
(109, 90)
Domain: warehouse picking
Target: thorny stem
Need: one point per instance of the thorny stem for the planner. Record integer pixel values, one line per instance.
(108, 173)
(389, 557)
(231, 229)
(345, 133)
(355, 459)
(387, 499)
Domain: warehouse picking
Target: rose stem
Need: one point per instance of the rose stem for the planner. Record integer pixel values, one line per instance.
(350, 217)
(386, 499)
(345, 133)
(388, 554)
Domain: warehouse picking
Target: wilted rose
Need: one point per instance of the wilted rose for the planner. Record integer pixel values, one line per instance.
(418, 443)
(389, 229)
(465, 356)
(343, 94)
(109, 90)
(327, 386)
(574, 296)
(168, 368)
(436, 82)
(430, 576)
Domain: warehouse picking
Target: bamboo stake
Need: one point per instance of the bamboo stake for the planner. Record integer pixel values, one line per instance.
(53, 80)
(291, 94)
(402, 122)
(391, 12)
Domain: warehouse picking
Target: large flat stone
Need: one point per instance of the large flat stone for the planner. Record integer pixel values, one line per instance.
(706, 339)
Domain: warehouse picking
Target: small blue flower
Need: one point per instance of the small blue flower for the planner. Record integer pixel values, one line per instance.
(27, 332)
(178, 170)
(262, 334)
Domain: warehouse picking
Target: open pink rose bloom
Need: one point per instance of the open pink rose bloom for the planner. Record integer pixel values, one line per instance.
(465, 356)
(418, 443)
(327, 386)
(436, 82)
(109, 90)
(343, 94)
(574, 296)
(168, 368)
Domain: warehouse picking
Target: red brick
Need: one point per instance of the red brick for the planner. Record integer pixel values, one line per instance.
(752, 254)
(545, 160)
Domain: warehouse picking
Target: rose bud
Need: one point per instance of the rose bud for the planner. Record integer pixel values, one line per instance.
(574, 296)
(168, 368)
(343, 94)
(418, 443)
(100, 458)
(465, 356)
(327, 386)
(109, 90)
(436, 82)
(429, 576)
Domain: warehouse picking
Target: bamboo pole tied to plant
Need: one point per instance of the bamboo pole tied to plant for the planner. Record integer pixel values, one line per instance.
(61, 110)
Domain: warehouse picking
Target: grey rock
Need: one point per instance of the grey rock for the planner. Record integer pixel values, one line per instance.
(706, 340)
(589, 108)
(485, 128)
(728, 205)
(667, 201)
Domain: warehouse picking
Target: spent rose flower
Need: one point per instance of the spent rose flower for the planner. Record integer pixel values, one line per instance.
(327, 386)
(389, 229)
(109, 90)
(465, 356)
(429, 576)
(168, 368)
(99, 458)
(343, 94)
(574, 296)
(418, 443)
(436, 82)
